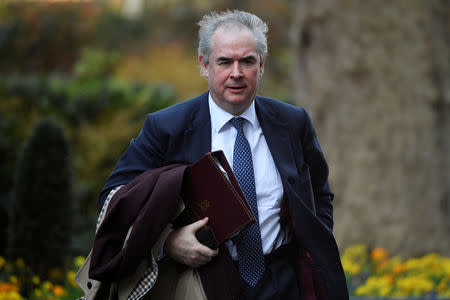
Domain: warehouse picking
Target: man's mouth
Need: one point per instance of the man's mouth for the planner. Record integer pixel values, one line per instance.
(236, 88)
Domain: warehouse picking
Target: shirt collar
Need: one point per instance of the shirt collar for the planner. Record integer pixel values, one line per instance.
(220, 117)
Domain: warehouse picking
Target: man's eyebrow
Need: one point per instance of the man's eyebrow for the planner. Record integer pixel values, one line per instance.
(223, 58)
(245, 58)
(248, 57)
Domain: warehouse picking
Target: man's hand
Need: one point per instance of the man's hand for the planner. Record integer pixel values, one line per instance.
(182, 246)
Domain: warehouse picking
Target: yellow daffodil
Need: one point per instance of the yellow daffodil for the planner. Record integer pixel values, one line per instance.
(375, 286)
(2, 262)
(356, 253)
(13, 279)
(79, 261)
(47, 285)
(38, 293)
(11, 295)
(20, 263)
(58, 291)
(71, 278)
(8, 287)
(379, 254)
(415, 285)
(443, 286)
(36, 280)
(389, 277)
(399, 268)
(350, 267)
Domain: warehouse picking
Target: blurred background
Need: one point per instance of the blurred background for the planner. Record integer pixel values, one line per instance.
(77, 79)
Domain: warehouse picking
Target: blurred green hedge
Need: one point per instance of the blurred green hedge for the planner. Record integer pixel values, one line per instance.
(99, 113)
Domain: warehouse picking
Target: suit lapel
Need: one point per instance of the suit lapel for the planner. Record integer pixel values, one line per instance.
(276, 133)
(198, 135)
(278, 137)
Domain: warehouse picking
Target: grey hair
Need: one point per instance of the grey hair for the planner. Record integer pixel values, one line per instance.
(231, 19)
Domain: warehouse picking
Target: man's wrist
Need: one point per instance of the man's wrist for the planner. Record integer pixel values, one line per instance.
(162, 243)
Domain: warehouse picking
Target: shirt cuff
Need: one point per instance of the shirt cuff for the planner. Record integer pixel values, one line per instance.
(159, 246)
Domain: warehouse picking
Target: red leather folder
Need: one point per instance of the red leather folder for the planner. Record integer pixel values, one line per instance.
(211, 190)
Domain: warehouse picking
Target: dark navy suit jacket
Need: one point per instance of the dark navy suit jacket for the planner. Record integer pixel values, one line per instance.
(182, 134)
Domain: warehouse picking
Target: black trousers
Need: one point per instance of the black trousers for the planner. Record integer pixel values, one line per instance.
(280, 279)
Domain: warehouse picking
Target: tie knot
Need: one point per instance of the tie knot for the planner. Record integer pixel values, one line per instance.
(238, 123)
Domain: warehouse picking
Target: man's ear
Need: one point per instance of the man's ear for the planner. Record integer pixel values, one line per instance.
(203, 66)
(261, 65)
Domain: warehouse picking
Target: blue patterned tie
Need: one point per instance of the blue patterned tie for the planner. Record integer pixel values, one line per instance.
(248, 243)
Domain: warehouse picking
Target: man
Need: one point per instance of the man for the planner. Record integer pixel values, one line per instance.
(290, 253)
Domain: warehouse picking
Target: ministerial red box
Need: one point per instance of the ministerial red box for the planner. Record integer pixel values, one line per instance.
(211, 190)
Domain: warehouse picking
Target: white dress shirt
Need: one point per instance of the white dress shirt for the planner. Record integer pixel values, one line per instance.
(269, 189)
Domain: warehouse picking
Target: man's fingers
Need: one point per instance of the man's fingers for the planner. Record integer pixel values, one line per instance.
(207, 252)
(203, 250)
(203, 257)
(197, 225)
(183, 246)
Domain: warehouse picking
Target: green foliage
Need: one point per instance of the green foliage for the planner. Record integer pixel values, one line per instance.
(101, 115)
(95, 63)
(79, 101)
(114, 31)
(42, 207)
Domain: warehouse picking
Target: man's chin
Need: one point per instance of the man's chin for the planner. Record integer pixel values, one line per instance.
(238, 105)
(237, 101)
(235, 97)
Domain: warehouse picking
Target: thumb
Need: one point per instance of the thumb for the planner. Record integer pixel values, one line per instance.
(199, 224)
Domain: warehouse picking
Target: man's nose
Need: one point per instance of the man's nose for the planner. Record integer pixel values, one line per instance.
(236, 70)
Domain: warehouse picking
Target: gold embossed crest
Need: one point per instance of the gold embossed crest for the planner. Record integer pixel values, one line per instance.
(204, 205)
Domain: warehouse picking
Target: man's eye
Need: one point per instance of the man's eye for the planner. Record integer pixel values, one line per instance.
(249, 62)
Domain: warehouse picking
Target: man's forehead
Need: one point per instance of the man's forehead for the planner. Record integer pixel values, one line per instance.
(229, 42)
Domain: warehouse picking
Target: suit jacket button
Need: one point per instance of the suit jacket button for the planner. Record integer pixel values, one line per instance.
(89, 285)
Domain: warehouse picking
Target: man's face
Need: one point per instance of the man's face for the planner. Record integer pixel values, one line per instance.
(234, 69)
